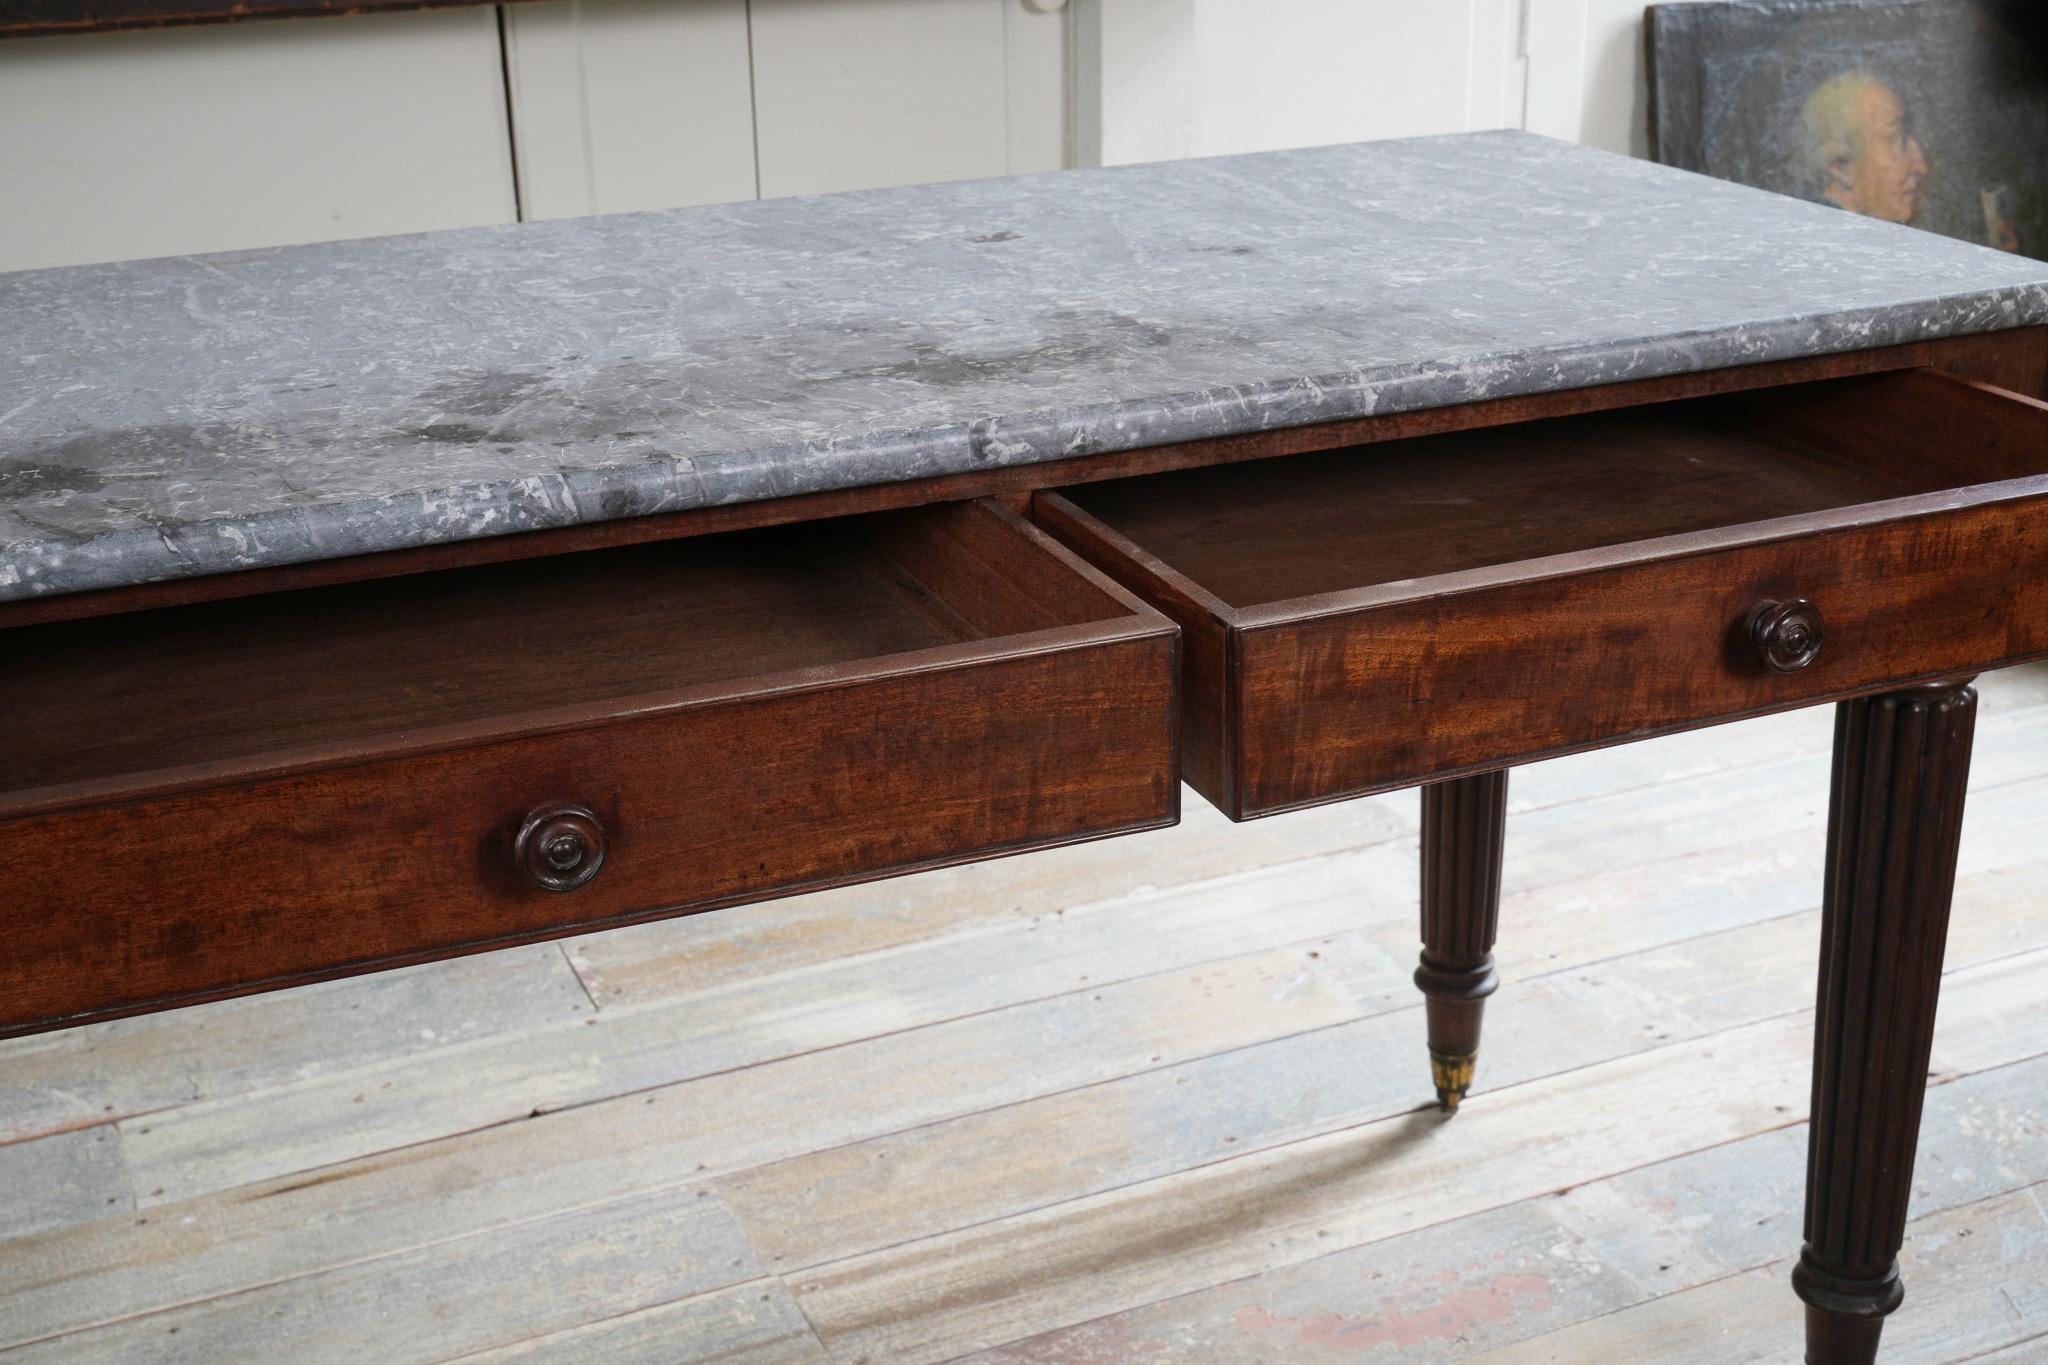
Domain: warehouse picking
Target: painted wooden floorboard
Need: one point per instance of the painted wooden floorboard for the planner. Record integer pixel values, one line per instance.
(756, 1323)
(103, 1072)
(71, 1177)
(1426, 1295)
(991, 1283)
(840, 1202)
(624, 1149)
(1514, 1273)
(214, 1145)
(2032, 1351)
(1977, 1276)
(444, 1299)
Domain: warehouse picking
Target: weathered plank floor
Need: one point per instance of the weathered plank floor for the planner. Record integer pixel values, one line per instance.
(1157, 1099)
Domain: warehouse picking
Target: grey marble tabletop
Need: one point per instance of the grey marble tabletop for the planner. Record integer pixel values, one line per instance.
(203, 414)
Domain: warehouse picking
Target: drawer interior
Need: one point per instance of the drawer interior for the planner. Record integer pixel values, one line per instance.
(1275, 530)
(335, 669)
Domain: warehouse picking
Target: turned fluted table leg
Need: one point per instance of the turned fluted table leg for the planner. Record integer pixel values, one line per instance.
(1463, 821)
(1901, 763)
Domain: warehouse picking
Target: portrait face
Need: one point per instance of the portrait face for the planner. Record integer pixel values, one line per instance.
(1883, 178)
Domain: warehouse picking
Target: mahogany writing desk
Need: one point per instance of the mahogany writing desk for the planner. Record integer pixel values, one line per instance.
(381, 601)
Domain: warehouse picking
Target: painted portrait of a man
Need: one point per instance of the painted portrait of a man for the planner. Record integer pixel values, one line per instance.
(1861, 153)
(1932, 113)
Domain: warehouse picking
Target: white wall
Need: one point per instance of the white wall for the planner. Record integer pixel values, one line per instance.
(1347, 70)
(1200, 77)
(1587, 83)
(1615, 96)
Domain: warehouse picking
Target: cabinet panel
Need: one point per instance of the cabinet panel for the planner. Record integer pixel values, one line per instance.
(852, 94)
(1035, 85)
(159, 143)
(630, 104)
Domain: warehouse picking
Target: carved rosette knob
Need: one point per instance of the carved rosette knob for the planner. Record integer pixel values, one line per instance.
(560, 848)
(1787, 635)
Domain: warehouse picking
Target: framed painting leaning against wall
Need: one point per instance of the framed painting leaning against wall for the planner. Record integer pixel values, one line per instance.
(1929, 112)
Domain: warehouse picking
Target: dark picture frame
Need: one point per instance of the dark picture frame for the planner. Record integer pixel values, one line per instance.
(1931, 112)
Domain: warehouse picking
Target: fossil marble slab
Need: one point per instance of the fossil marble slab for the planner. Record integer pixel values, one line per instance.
(203, 414)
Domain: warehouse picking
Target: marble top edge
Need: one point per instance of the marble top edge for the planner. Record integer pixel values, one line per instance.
(721, 391)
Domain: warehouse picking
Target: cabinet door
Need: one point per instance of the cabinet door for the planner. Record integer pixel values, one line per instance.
(159, 143)
(850, 94)
(630, 104)
(633, 104)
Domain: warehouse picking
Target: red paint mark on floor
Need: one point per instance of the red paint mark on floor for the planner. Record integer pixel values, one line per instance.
(1252, 1318)
(1454, 1317)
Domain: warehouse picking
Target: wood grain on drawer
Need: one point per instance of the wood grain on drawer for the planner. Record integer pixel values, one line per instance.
(1414, 612)
(849, 701)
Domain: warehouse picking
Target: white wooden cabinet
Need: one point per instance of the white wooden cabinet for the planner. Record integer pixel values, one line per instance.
(202, 139)
(851, 94)
(629, 104)
(158, 143)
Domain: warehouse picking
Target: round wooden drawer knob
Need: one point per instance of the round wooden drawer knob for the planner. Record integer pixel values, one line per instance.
(560, 848)
(1787, 635)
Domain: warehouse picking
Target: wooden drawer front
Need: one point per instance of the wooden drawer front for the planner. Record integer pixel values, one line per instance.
(1389, 697)
(1577, 583)
(738, 790)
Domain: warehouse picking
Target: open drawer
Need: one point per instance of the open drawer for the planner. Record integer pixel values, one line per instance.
(1372, 618)
(206, 800)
